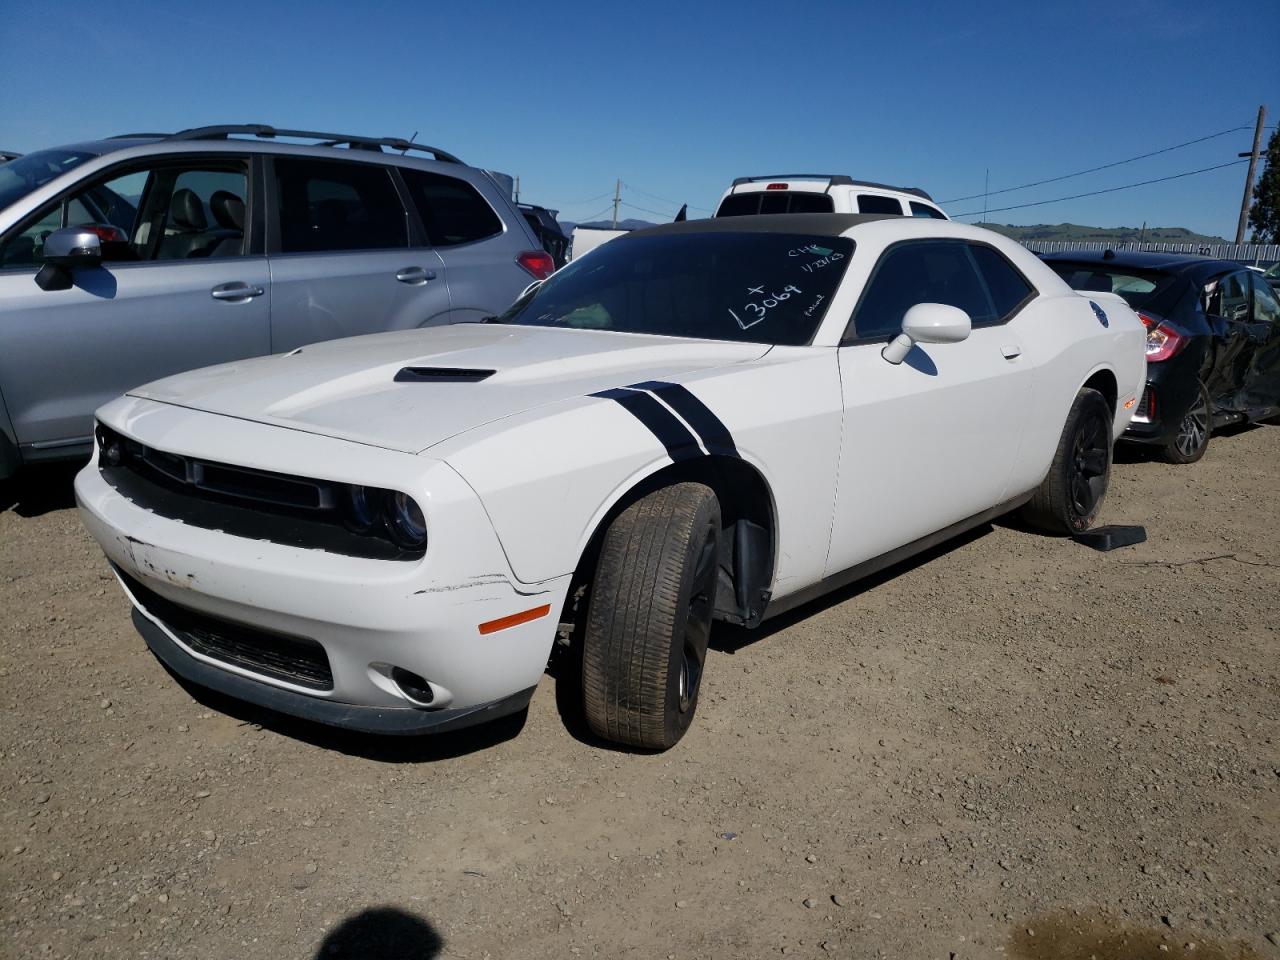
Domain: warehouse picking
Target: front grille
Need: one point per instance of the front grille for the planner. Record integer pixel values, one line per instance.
(243, 502)
(295, 660)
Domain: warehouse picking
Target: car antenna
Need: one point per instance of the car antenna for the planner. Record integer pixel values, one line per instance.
(410, 143)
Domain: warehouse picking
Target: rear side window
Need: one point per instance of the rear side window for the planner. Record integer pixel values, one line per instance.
(325, 205)
(452, 210)
(874, 203)
(1008, 288)
(774, 201)
(924, 210)
(920, 272)
(1141, 289)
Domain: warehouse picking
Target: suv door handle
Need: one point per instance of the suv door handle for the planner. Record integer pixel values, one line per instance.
(235, 290)
(1011, 351)
(415, 275)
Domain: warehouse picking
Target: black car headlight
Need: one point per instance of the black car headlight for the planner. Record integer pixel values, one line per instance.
(362, 508)
(405, 522)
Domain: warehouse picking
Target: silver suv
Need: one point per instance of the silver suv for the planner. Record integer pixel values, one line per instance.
(129, 259)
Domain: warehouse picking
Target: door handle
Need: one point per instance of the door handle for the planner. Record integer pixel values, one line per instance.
(1011, 351)
(235, 291)
(415, 275)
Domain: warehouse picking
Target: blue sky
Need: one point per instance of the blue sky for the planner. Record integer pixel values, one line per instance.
(678, 98)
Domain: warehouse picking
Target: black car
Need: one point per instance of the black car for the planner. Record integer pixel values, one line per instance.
(1213, 341)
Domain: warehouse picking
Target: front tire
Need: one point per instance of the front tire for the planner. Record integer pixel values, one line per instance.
(1071, 495)
(1192, 439)
(649, 617)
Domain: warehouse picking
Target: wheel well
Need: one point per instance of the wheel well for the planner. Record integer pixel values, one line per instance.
(746, 546)
(1104, 381)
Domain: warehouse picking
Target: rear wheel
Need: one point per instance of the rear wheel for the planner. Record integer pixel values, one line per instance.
(649, 617)
(1192, 439)
(1071, 495)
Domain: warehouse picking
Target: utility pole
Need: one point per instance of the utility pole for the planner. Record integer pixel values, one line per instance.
(517, 189)
(986, 188)
(1248, 179)
(617, 198)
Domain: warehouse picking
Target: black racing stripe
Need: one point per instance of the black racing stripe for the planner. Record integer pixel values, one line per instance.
(715, 435)
(662, 423)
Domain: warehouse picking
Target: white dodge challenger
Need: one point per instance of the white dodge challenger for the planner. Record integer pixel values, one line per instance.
(713, 420)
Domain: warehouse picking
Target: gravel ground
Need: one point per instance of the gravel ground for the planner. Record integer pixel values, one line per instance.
(1013, 746)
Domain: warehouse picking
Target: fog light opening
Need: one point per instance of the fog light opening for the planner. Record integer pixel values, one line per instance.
(412, 686)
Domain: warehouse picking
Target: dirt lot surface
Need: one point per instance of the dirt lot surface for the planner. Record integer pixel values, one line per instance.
(1014, 746)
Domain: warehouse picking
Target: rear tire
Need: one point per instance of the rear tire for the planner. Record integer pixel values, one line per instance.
(649, 617)
(1192, 439)
(1071, 495)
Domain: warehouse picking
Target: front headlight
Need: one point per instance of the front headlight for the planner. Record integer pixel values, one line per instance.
(362, 508)
(405, 521)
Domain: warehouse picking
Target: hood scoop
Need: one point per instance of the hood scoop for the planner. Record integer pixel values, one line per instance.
(442, 375)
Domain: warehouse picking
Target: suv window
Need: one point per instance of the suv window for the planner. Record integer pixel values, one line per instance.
(169, 212)
(774, 201)
(874, 203)
(1008, 288)
(330, 205)
(926, 271)
(924, 210)
(452, 210)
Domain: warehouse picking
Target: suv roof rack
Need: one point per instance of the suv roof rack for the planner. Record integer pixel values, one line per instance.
(226, 131)
(835, 180)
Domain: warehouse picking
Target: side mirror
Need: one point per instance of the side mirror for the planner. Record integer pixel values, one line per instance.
(73, 247)
(928, 323)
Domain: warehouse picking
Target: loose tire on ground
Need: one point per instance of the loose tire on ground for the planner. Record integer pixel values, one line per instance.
(649, 617)
(1071, 494)
(1192, 439)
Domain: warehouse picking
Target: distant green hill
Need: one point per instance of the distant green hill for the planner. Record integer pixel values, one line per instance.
(1076, 232)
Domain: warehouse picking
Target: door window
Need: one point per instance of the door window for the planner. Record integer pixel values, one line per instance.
(1008, 288)
(924, 210)
(170, 212)
(874, 203)
(327, 205)
(452, 210)
(1266, 309)
(929, 271)
(1231, 298)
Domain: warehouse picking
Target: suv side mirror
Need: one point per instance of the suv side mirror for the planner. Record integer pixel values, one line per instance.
(65, 250)
(928, 323)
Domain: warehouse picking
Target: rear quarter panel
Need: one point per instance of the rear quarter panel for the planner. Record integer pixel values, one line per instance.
(1068, 343)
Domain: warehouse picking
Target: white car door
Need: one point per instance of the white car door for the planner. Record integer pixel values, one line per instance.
(932, 441)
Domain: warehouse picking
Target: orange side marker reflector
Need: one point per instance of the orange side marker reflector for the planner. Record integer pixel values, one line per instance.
(502, 623)
(1128, 404)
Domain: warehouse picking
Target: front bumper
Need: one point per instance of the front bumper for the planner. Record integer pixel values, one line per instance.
(369, 616)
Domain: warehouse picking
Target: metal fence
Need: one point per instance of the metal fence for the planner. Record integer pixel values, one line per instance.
(1244, 252)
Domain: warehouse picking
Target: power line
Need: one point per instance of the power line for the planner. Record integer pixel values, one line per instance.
(1094, 193)
(1105, 166)
(654, 196)
(583, 203)
(634, 206)
(603, 214)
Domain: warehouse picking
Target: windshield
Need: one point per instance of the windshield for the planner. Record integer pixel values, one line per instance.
(19, 177)
(749, 287)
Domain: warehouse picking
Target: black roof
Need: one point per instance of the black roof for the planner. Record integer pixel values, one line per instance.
(816, 224)
(1195, 267)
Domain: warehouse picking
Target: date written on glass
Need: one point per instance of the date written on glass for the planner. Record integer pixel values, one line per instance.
(756, 312)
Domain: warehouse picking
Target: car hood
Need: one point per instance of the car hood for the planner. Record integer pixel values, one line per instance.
(348, 388)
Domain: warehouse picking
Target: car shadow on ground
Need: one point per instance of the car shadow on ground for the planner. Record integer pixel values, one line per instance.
(423, 748)
(41, 488)
(381, 933)
(1125, 452)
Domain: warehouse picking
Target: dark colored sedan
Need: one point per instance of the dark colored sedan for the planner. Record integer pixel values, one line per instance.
(1213, 341)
